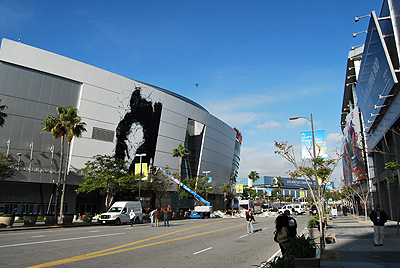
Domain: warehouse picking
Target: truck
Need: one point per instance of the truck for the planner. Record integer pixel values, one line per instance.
(119, 213)
(254, 205)
(202, 211)
(299, 209)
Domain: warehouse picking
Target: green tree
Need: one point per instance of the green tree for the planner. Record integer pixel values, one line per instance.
(225, 188)
(3, 115)
(180, 152)
(394, 167)
(109, 175)
(7, 167)
(279, 182)
(74, 128)
(200, 186)
(316, 172)
(253, 176)
(158, 183)
(249, 193)
(58, 127)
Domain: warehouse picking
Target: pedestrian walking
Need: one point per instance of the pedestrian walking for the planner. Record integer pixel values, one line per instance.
(151, 215)
(250, 219)
(132, 216)
(165, 213)
(293, 212)
(156, 214)
(282, 232)
(334, 212)
(379, 218)
(291, 225)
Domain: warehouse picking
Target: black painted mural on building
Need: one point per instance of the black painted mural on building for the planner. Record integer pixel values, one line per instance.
(141, 115)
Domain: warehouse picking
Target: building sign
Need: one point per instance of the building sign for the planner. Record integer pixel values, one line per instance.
(238, 135)
(307, 146)
(239, 188)
(353, 160)
(377, 75)
(268, 192)
(144, 170)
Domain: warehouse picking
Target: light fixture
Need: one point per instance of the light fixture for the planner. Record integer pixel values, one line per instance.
(355, 34)
(358, 57)
(372, 114)
(140, 175)
(356, 19)
(348, 84)
(313, 141)
(378, 107)
(384, 18)
(370, 122)
(8, 146)
(350, 76)
(383, 97)
(354, 47)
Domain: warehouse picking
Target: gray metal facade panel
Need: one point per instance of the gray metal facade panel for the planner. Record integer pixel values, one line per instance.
(102, 94)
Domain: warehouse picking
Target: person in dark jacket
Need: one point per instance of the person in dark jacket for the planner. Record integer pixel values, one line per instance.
(379, 218)
(250, 219)
(291, 224)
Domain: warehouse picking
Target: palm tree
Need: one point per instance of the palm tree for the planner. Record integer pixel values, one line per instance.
(3, 115)
(180, 152)
(75, 128)
(278, 181)
(58, 127)
(253, 176)
(225, 188)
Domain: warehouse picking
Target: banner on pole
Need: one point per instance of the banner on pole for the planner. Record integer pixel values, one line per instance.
(307, 144)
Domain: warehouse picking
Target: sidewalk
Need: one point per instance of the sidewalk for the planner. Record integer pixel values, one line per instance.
(19, 226)
(354, 245)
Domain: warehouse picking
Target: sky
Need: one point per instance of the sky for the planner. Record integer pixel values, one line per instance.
(256, 62)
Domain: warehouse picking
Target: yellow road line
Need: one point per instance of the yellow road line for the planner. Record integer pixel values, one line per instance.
(119, 250)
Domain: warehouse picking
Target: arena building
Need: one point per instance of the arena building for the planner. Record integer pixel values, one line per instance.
(123, 117)
(371, 110)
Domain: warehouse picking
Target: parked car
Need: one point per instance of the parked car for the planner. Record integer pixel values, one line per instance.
(299, 209)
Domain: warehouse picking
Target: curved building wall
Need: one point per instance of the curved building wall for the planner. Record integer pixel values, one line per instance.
(123, 116)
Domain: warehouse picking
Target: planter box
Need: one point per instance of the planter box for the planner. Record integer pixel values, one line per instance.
(87, 218)
(68, 218)
(49, 219)
(30, 220)
(7, 221)
(313, 233)
(309, 262)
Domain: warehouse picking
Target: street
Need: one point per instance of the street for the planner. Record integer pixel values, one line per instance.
(215, 242)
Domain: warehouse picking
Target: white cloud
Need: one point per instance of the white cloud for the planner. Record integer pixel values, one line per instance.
(334, 137)
(269, 124)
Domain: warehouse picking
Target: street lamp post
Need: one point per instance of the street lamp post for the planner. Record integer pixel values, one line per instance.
(313, 144)
(140, 175)
(206, 172)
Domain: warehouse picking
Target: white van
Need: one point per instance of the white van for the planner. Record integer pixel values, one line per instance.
(119, 212)
(299, 209)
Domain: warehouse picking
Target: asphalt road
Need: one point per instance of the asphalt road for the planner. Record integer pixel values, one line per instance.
(186, 243)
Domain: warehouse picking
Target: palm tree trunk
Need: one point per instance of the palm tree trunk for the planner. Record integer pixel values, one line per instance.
(179, 186)
(65, 179)
(59, 177)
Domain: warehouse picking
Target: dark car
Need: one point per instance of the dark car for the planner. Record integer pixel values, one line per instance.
(313, 210)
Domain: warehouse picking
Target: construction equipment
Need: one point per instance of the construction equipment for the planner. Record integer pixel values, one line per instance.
(203, 211)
